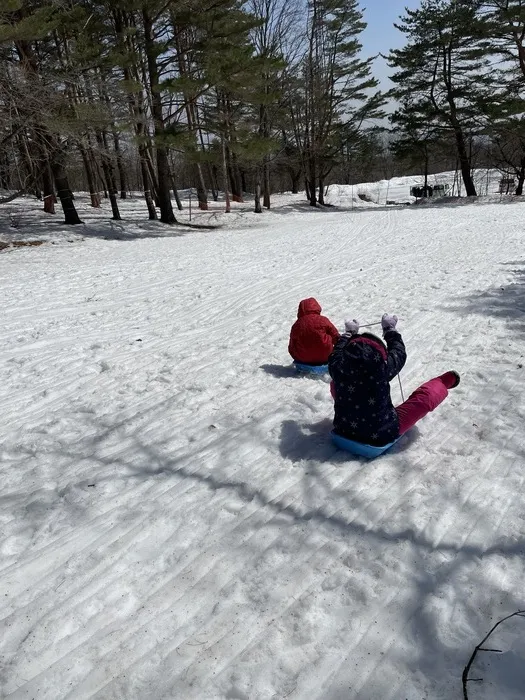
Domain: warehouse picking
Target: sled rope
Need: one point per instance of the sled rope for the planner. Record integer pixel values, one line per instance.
(377, 323)
(401, 388)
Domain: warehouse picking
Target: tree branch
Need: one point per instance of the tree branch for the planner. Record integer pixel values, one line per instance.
(465, 679)
(11, 197)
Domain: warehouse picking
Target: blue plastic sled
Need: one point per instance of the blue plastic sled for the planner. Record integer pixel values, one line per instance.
(359, 448)
(311, 369)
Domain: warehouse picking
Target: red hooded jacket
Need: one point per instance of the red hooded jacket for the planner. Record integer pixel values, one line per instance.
(313, 336)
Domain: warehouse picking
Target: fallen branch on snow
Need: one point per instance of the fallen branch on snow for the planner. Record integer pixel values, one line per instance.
(465, 679)
(6, 200)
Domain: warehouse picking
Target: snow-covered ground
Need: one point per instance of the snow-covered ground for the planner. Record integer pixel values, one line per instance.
(175, 522)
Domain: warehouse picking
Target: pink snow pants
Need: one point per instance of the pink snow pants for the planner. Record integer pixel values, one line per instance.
(424, 399)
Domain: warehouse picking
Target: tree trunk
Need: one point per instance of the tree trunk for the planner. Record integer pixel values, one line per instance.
(152, 174)
(120, 166)
(4, 172)
(264, 131)
(167, 215)
(258, 209)
(135, 105)
(114, 205)
(93, 194)
(213, 183)
(96, 169)
(521, 178)
(149, 186)
(266, 183)
(202, 192)
(321, 191)
(48, 188)
(109, 175)
(233, 185)
(464, 160)
(63, 190)
(152, 212)
(466, 173)
(294, 177)
(233, 166)
(202, 195)
(192, 118)
(312, 179)
(225, 178)
(233, 171)
(111, 187)
(100, 174)
(215, 180)
(146, 181)
(176, 193)
(29, 181)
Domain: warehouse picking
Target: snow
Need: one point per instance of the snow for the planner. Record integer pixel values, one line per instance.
(175, 521)
(397, 189)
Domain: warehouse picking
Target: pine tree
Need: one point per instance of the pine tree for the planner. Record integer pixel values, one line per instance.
(508, 149)
(333, 87)
(503, 21)
(126, 54)
(232, 111)
(415, 141)
(26, 28)
(272, 37)
(443, 75)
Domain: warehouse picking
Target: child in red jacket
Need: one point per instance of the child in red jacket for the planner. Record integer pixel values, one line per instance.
(313, 336)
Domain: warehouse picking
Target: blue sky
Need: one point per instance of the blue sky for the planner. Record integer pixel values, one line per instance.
(381, 35)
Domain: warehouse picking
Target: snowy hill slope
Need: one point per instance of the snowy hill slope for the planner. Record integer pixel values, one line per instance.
(175, 522)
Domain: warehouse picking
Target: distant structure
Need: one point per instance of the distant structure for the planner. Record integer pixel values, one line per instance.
(420, 191)
(441, 190)
(507, 185)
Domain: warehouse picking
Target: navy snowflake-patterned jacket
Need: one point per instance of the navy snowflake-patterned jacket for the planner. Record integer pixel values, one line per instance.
(361, 368)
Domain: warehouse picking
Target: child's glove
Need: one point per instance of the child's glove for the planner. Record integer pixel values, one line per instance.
(388, 323)
(351, 326)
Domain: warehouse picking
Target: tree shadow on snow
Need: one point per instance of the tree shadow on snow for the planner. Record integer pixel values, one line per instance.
(503, 370)
(118, 230)
(152, 460)
(340, 509)
(129, 229)
(502, 301)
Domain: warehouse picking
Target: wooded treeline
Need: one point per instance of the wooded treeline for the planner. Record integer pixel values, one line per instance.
(252, 96)
(213, 94)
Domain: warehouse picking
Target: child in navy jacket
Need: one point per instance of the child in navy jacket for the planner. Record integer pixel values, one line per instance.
(361, 368)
